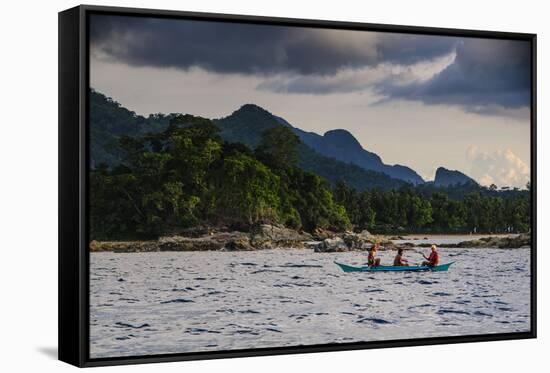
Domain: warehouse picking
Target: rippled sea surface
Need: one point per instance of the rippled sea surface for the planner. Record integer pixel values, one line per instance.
(157, 303)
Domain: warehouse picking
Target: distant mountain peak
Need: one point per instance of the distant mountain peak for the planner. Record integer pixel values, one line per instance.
(445, 177)
(251, 108)
(340, 144)
(247, 123)
(335, 156)
(342, 139)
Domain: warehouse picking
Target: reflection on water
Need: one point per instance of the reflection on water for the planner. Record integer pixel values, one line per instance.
(156, 303)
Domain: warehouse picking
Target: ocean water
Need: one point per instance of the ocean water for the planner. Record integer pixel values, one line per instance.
(158, 303)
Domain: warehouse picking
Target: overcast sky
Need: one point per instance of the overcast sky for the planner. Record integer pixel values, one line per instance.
(417, 100)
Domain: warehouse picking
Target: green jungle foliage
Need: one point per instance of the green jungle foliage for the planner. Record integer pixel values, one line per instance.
(155, 175)
(412, 209)
(187, 175)
(109, 121)
(248, 124)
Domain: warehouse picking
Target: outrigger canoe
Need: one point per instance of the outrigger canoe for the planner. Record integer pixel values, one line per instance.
(439, 268)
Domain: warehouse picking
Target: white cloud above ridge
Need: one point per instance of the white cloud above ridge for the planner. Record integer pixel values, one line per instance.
(501, 167)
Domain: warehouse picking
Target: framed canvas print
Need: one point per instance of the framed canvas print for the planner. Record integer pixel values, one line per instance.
(237, 186)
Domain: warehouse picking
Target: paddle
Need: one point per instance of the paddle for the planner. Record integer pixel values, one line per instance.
(418, 252)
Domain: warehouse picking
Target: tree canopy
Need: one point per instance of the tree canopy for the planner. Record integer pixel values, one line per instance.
(187, 175)
(183, 173)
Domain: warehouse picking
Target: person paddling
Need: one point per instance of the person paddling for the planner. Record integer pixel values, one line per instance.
(372, 260)
(433, 259)
(399, 261)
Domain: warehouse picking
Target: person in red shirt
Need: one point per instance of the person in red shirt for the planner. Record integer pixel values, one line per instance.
(433, 259)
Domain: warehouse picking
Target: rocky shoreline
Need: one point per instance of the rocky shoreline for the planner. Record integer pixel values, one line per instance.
(267, 236)
(259, 238)
(493, 242)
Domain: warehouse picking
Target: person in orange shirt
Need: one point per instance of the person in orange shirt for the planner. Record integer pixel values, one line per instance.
(372, 260)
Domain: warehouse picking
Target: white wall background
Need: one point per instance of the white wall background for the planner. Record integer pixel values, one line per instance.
(28, 183)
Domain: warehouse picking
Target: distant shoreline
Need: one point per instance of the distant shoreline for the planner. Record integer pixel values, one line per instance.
(270, 237)
(475, 235)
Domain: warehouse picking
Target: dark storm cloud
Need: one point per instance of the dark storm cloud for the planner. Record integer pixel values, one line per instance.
(216, 46)
(254, 49)
(404, 49)
(184, 44)
(485, 73)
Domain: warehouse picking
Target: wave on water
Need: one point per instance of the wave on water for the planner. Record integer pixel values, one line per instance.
(204, 301)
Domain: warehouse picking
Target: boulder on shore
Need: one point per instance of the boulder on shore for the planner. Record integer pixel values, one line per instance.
(239, 244)
(520, 240)
(332, 245)
(266, 236)
(321, 234)
(350, 241)
(356, 241)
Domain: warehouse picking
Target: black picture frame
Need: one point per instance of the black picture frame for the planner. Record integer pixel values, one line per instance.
(73, 252)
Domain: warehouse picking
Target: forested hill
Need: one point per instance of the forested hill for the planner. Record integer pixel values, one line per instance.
(336, 156)
(342, 145)
(109, 121)
(156, 175)
(445, 178)
(247, 124)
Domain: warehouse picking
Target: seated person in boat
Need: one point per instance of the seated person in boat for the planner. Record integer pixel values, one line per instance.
(372, 260)
(399, 261)
(433, 259)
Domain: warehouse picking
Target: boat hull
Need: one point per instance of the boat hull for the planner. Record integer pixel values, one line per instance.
(439, 268)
